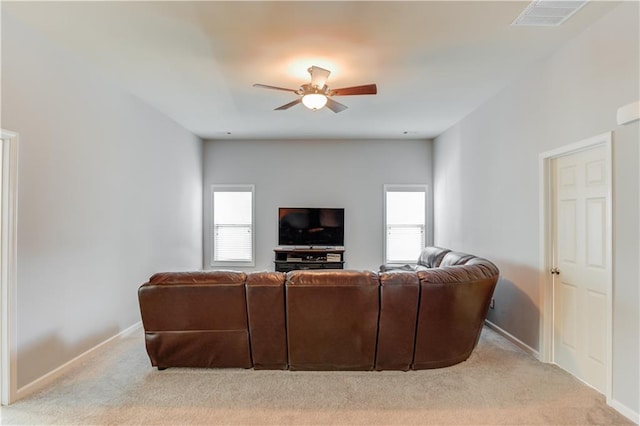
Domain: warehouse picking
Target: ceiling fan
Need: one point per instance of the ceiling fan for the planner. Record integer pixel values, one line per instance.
(317, 94)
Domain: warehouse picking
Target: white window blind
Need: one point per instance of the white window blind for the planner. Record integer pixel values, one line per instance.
(232, 225)
(232, 243)
(405, 222)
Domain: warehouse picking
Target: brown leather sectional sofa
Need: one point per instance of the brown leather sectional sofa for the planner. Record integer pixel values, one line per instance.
(413, 317)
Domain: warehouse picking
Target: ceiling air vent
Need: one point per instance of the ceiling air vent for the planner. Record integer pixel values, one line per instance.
(548, 13)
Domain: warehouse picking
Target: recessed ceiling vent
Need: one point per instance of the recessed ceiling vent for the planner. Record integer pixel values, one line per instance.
(548, 13)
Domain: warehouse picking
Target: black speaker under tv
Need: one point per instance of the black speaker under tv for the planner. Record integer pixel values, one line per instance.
(314, 227)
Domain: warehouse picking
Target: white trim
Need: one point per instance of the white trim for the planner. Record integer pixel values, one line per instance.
(428, 216)
(233, 188)
(513, 339)
(51, 376)
(628, 113)
(545, 256)
(625, 411)
(8, 259)
(546, 300)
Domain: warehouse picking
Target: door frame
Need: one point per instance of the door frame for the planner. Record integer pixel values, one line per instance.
(8, 267)
(546, 247)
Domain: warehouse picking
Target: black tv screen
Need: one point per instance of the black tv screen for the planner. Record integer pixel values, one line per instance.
(310, 226)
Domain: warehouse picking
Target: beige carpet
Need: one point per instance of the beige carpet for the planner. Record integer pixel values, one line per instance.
(498, 384)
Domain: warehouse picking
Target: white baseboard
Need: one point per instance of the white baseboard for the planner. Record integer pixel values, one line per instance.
(48, 378)
(513, 339)
(625, 411)
(616, 405)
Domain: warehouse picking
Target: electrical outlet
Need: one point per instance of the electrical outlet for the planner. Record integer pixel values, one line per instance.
(493, 303)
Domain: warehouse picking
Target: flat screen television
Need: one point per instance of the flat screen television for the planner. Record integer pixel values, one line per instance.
(310, 227)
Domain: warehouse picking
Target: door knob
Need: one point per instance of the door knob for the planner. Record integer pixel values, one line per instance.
(555, 271)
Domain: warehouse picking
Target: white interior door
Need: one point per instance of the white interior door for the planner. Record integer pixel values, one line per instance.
(581, 284)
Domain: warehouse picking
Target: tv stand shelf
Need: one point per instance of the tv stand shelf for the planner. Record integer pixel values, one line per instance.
(292, 258)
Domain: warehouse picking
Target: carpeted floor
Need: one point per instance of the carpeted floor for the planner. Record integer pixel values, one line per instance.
(498, 384)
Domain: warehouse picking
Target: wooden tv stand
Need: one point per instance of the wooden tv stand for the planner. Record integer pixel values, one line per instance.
(292, 258)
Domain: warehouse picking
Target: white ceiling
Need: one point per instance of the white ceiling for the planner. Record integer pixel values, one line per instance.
(433, 61)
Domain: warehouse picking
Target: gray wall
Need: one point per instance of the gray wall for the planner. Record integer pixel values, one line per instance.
(317, 173)
(486, 178)
(109, 192)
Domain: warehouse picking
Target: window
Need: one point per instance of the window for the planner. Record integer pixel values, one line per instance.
(405, 217)
(232, 221)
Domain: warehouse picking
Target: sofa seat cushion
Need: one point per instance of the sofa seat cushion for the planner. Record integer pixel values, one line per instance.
(396, 267)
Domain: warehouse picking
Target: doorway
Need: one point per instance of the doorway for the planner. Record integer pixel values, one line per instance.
(8, 241)
(576, 260)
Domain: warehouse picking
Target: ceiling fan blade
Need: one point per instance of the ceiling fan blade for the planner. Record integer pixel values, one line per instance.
(335, 106)
(319, 76)
(266, 86)
(367, 89)
(289, 105)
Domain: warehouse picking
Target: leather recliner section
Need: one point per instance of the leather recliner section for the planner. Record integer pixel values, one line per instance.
(399, 295)
(399, 319)
(267, 328)
(454, 301)
(196, 319)
(332, 319)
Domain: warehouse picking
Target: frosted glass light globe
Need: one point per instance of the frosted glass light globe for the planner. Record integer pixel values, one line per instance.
(314, 101)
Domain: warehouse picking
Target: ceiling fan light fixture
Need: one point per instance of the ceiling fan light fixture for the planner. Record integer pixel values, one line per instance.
(315, 95)
(314, 101)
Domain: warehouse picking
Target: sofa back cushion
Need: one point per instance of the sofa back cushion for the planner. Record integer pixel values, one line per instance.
(453, 305)
(454, 258)
(178, 301)
(198, 277)
(267, 328)
(196, 319)
(332, 319)
(399, 296)
(430, 257)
